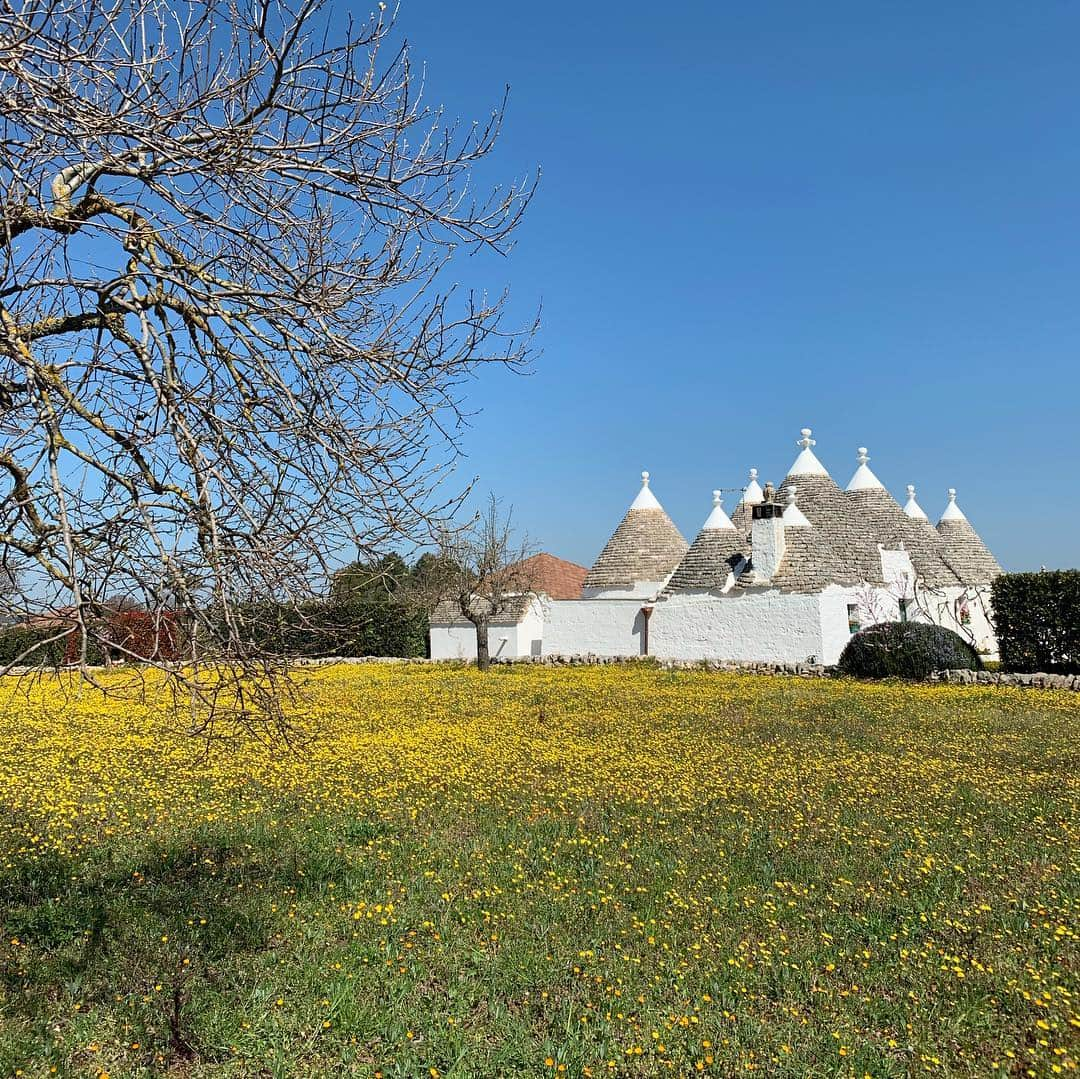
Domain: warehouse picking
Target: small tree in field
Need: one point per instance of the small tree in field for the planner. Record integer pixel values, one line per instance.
(484, 572)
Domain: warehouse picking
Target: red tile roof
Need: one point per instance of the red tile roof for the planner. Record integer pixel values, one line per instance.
(555, 576)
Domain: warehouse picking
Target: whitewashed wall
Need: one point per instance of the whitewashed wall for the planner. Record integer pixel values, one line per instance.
(751, 625)
(836, 620)
(979, 630)
(771, 626)
(530, 631)
(601, 627)
(505, 640)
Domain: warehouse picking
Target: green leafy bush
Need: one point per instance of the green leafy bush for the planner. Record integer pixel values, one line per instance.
(906, 650)
(26, 645)
(356, 627)
(1037, 619)
(42, 646)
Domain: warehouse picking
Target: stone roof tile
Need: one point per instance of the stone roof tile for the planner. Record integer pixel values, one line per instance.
(966, 553)
(711, 558)
(645, 547)
(892, 528)
(447, 611)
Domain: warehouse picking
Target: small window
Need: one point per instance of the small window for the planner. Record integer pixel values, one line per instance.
(903, 610)
(853, 617)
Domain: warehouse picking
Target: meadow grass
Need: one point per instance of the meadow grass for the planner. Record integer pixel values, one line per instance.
(546, 872)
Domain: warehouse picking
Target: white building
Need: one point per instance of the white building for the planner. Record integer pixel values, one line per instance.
(786, 579)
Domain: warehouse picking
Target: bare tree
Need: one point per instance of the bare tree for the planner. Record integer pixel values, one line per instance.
(482, 572)
(10, 590)
(227, 347)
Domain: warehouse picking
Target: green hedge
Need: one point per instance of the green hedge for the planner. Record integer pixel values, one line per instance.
(329, 628)
(43, 650)
(1037, 619)
(906, 650)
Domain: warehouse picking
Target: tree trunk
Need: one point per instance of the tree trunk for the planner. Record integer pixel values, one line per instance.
(483, 659)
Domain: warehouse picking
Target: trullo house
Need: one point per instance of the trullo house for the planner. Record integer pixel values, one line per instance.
(787, 578)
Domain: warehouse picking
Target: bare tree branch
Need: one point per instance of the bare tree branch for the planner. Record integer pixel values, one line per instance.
(228, 349)
(483, 572)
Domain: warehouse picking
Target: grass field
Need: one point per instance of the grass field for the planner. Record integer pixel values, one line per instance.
(547, 872)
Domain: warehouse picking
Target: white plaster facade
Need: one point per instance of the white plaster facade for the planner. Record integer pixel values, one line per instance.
(753, 625)
(598, 627)
(506, 640)
(784, 627)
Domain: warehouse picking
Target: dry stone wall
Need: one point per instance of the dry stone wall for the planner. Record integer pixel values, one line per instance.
(797, 670)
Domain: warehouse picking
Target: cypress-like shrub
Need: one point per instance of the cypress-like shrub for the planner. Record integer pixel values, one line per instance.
(906, 650)
(1037, 620)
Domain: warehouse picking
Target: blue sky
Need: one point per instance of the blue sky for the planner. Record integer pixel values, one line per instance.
(861, 218)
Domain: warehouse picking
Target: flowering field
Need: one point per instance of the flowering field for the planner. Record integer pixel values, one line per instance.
(549, 872)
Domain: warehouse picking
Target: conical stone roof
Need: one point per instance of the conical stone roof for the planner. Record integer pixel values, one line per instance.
(889, 526)
(881, 517)
(965, 551)
(718, 550)
(840, 535)
(645, 547)
(710, 559)
(810, 561)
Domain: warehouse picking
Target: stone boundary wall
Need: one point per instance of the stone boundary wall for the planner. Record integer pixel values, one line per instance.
(801, 670)
(1008, 678)
(795, 670)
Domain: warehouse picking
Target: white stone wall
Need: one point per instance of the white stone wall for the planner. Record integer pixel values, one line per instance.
(530, 631)
(602, 627)
(752, 625)
(769, 626)
(505, 640)
(948, 606)
(835, 619)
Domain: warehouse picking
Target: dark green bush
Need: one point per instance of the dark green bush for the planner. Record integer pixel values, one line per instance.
(1037, 619)
(355, 627)
(34, 646)
(17, 640)
(906, 650)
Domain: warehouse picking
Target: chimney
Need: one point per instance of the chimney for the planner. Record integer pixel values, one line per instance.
(767, 538)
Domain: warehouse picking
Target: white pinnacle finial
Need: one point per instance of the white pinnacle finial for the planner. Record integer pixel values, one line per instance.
(645, 500)
(793, 516)
(752, 493)
(911, 507)
(864, 479)
(806, 464)
(952, 510)
(718, 518)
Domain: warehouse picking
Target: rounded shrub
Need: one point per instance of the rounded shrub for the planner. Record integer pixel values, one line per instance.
(906, 650)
